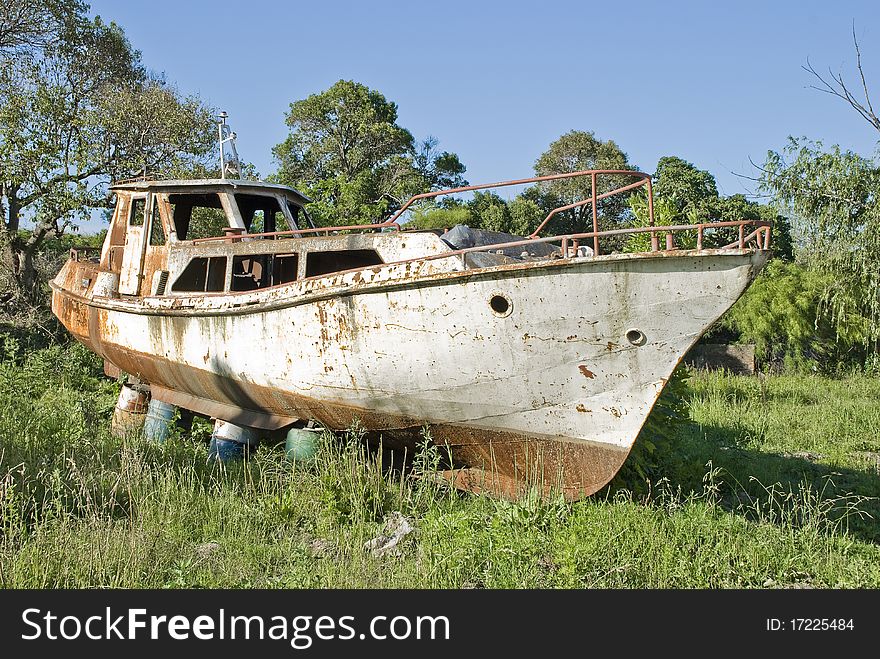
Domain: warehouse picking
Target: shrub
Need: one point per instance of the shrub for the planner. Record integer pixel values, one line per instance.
(782, 313)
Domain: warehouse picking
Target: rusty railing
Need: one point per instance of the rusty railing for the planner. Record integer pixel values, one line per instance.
(759, 236)
(595, 197)
(83, 253)
(392, 222)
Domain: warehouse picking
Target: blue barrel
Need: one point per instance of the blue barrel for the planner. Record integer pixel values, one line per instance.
(160, 418)
(225, 450)
(301, 444)
(230, 442)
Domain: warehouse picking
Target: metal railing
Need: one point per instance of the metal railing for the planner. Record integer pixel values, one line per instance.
(758, 237)
(392, 222)
(84, 252)
(593, 199)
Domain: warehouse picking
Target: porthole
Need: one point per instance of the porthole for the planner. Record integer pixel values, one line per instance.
(636, 337)
(500, 305)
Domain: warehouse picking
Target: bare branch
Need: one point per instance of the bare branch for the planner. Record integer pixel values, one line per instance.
(837, 87)
(862, 72)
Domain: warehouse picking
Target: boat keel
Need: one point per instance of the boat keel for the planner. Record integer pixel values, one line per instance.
(510, 465)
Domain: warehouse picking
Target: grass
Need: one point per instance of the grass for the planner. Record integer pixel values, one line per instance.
(770, 482)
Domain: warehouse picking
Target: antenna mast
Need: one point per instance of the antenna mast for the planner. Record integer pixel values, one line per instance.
(225, 136)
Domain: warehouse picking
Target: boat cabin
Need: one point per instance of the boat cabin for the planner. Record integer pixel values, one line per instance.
(156, 224)
(224, 236)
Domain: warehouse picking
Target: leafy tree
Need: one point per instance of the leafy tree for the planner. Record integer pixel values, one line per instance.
(77, 109)
(439, 169)
(489, 211)
(666, 212)
(28, 24)
(574, 151)
(688, 193)
(832, 197)
(346, 150)
(439, 217)
(525, 216)
(486, 210)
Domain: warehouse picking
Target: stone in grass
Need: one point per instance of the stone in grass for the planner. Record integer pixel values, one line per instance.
(395, 529)
(207, 549)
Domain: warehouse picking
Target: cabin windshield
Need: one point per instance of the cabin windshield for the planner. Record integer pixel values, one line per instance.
(197, 215)
(263, 214)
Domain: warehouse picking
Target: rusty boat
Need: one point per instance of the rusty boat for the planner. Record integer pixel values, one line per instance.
(530, 360)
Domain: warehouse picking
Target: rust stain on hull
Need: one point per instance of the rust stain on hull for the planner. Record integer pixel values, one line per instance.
(492, 461)
(509, 464)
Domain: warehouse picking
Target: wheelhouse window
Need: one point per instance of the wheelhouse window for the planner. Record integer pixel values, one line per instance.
(250, 272)
(322, 263)
(157, 232)
(202, 275)
(136, 214)
(285, 268)
(254, 271)
(197, 215)
(261, 213)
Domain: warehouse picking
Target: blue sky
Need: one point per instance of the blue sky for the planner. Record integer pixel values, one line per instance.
(716, 83)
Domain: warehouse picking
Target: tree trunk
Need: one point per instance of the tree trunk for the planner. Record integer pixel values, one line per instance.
(20, 253)
(14, 210)
(26, 272)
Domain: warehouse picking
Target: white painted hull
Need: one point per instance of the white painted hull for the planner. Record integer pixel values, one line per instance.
(430, 350)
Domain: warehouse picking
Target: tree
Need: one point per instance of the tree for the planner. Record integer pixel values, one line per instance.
(689, 191)
(525, 216)
(574, 151)
(781, 315)
(346, 150)
(485, 210)
(489, 211)
(832, 197)
(836, 86)
(28, 24)
(78, 109)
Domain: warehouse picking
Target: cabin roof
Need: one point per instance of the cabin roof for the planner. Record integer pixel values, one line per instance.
(209, 184)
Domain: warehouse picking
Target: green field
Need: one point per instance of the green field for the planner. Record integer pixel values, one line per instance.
(771, 482)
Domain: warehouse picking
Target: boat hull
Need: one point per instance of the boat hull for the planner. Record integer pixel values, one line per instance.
(539, 373)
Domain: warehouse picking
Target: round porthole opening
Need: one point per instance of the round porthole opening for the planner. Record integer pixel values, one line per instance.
(636, 337)
(500, 305)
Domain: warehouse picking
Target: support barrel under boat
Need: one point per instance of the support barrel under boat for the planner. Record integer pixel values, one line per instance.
(130, 411)
(159, 420)
(230, 441)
